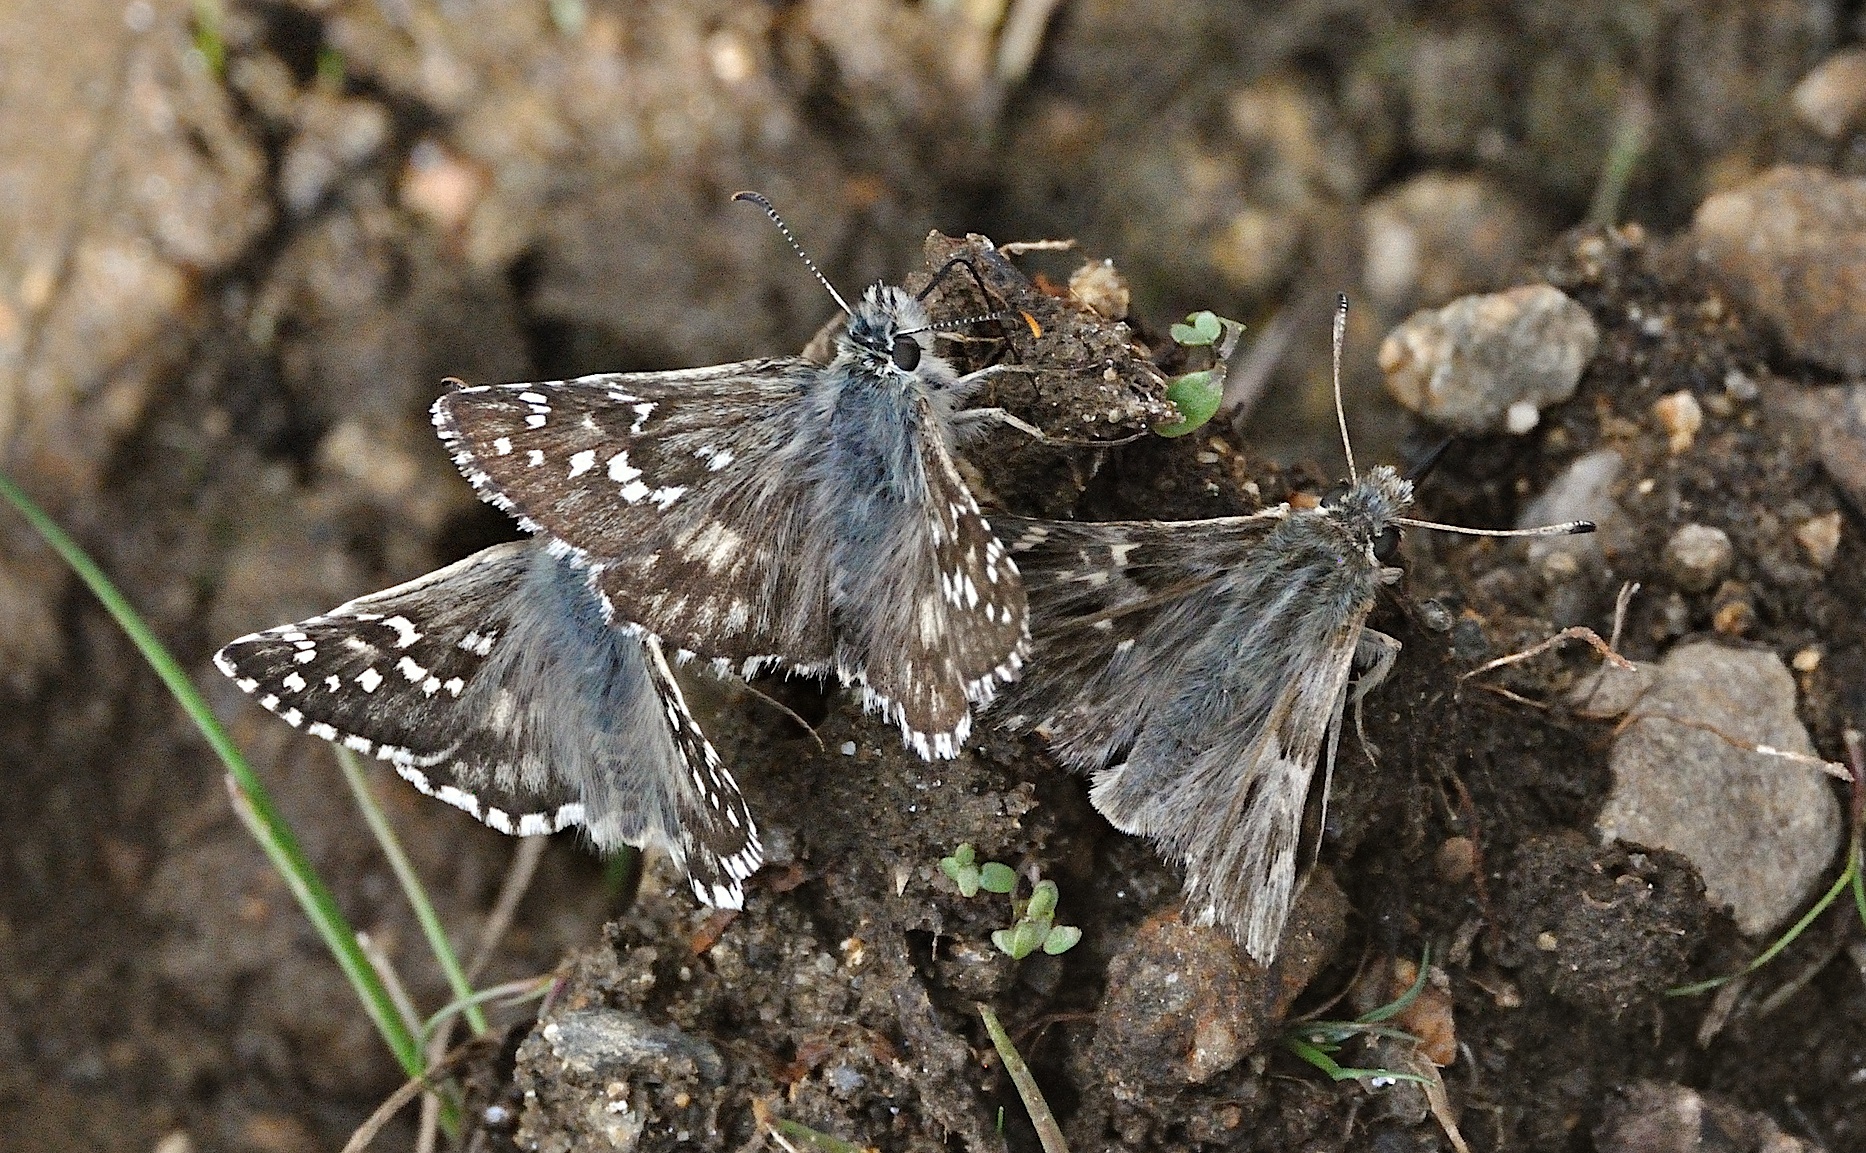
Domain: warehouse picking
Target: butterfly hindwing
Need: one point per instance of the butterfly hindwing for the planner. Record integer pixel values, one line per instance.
(948, 621)
(1096, 591)
(494, 684)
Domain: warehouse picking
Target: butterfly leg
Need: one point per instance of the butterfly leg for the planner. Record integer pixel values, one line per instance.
(1376, 653)
(969, 421)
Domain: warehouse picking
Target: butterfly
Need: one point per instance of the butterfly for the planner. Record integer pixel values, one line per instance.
(1200, 670)
(495, 685)
(774, 512)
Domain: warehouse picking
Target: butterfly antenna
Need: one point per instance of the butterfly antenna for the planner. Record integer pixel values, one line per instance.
(967, 321)
(760, 201)
(1566, 528)
(1341, 416)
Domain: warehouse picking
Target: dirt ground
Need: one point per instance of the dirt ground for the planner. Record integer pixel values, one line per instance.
(245, 244)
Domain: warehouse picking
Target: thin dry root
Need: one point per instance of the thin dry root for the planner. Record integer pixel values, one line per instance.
(1608, 650)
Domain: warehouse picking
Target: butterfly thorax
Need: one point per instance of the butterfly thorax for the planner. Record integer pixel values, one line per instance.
(881, 395)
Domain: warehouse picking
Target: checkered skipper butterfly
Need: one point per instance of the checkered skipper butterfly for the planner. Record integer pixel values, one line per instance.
(495, 685)
(774, 512)
(1200, 669)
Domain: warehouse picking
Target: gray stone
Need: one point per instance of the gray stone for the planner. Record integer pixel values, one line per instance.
(1833, 421)
(1698, 556)
(598, 1077)
(1656, 1117)
(1489, 364)
(1438, 236)
(1831, 98)
(1760, 829)
(1792, 244)
(1584, 491)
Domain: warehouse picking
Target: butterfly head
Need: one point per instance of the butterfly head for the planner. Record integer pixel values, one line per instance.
(1369, 510)
(889, 333)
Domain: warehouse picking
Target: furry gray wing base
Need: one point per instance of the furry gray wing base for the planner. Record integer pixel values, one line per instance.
(930, 612)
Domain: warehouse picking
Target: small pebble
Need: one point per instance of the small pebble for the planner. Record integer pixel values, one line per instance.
(1653, 1117)
(1583, 492)
(1819, 538)
(1100, 289)
(1807, 660)
(1680, 416)
(1456, 859)
(848, 748)
(1698, 556)
(1734, 618)
(1831, 98)
(1488, 364)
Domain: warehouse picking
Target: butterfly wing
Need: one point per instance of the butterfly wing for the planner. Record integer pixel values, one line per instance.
(495, 685)
(1205, 663)
(1226, 798)
(1096, 589)
(678, 492)
(936, 617)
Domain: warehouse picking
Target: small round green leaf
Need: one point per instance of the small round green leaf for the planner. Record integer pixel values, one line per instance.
(1026, 938)
(1061, 939)
(996, 877)
(1196, 396)
(1201, 328)
(1004, 940)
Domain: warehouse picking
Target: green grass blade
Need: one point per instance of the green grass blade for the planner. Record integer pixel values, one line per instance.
(1049, 1134)
(1782, 942)
(412, 888)
(255, 806)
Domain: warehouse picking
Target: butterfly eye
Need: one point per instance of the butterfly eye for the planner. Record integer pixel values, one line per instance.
(1386, 545)
(906, 353)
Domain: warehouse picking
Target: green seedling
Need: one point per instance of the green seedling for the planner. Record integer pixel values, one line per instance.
(961, 870)
(1033, 926)
(1197, 394)
(1318, 1041)
(210, 20)
(1853, 876)
(996, 878)
(330, 68)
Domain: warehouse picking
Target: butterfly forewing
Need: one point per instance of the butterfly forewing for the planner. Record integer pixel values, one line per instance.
(672, 489)
(774, 512)
(1096, 590)
(495, 685)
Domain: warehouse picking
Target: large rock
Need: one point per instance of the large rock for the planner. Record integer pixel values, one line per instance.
(1760, 829)
(1489, 364)
(1792, 243)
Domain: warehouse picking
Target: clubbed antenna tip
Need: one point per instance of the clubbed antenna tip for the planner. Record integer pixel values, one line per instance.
(770, 210)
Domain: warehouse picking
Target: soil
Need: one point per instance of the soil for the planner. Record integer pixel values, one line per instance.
(243, 258)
